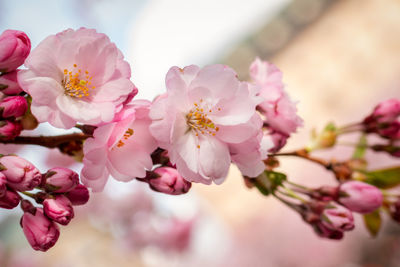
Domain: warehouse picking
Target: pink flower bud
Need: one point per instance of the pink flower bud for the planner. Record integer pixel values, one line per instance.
(21, 174)
(27, 206)
(169, 181)
(14, 48)
(360, 197)
(385, 119)
(3, 183)
(10, 199)
(323, 231)
(9, 84)
(40, 232)
(279, 141)
(337, 218)
(9, 129)
(61, 180)
(59, 209)
(79, 195)
(13, 106)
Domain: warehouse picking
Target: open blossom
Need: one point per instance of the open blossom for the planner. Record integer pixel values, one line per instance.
(203, 112)
(76, 76)
(14, 48)
(279, 111)
(122, 149)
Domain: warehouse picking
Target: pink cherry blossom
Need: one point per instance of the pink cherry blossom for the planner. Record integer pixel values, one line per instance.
(279, 111)
(202, 113)
(76, 76)
(122, 149)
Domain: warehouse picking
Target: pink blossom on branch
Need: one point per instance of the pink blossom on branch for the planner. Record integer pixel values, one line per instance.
(203, 112)
(279, 111)
(76, 76)
(122, 149)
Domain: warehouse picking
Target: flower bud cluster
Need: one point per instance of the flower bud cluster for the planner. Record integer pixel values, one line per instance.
(15, 47)
(59, 191)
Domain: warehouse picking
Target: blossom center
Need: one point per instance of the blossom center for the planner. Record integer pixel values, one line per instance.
(197, 119)
(128, 133)
(77, 83)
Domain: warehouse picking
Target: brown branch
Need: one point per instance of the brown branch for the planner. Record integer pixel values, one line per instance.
(47, 141)
(302, 153)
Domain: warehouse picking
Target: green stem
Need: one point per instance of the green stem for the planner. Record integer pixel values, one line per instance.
(28, 194)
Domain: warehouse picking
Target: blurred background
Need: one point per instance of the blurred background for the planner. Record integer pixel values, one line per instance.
(339, 59)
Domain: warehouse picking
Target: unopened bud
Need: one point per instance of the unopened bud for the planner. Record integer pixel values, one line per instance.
(326, 232)
(3, 184)
(9, 129)
(384, 120)
(59, 209)
(27, 206)
(168, 180)
(360, 197)
(79, 195)
(15, 46)
(60, 180)
(338, 218)
(40, 232)
(278, 139)
(10, 199)
(9, 84)
(21, 174)
(13, 106)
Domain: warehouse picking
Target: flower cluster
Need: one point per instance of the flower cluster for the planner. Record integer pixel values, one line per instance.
(206, 120)
(59, 191)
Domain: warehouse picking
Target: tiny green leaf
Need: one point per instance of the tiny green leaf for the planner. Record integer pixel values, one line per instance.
(373, 222)
(385, 178)
(361, 147)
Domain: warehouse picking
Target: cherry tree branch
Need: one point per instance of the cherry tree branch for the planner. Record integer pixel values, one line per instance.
(47, 141)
